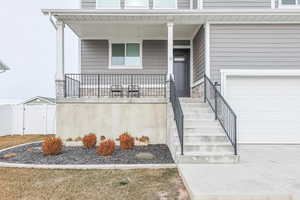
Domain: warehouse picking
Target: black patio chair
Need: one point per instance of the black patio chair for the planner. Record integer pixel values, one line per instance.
(133, 91)
(116, 91)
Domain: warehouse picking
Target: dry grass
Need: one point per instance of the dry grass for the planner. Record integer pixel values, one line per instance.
(9, 141)
(34, 184)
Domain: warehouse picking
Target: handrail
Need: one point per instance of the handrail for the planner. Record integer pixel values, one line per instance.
(115, 85)
(178, 113)
(223, 112)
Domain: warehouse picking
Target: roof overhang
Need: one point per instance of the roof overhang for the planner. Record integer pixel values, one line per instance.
(79, 20)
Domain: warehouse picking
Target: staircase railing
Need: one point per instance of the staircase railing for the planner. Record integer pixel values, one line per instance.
(223, 112)
(178, 113)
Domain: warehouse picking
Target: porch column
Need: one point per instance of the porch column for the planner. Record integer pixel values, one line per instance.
(170, 48)
(60, 60)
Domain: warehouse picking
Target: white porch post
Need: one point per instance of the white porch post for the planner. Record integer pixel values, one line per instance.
(60, 60)
(170, 48)
(207, 49)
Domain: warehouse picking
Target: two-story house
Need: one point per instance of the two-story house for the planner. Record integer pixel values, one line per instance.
(227, 71)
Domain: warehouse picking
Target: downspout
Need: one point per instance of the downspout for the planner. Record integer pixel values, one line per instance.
(51, 20)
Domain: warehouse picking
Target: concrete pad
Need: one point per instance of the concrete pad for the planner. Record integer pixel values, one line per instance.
(265, 172)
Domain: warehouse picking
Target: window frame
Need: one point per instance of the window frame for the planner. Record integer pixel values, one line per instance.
(130, 7)
(110, 8)
(139, 66)
(154, 6)
(295, 6)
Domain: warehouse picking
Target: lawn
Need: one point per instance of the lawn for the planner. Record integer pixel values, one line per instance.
(33, 184)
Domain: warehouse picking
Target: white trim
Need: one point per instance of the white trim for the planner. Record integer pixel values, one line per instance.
(60, 50)
(132, 7)
(207, 49)
(110, 8)
(254, 72)
(200, 4)
(272, 4)
(181, 46)
(110, 66)
(176, 6)
(79, 55)
(191, 66)
(170, 27)
(191, 4)
(249, 22)
(295, 6)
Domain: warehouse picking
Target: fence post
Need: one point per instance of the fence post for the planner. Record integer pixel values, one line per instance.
(216, 100)
(235, 136)
(204, 88)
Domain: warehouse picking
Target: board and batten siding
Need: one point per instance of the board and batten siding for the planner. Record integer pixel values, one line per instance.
(263, 46)
(199, 55)
(232, 4)
(91, 4)
(95, 57)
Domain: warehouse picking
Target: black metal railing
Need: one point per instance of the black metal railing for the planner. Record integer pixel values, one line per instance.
(178, 114)
(115, 85)
(223, 112)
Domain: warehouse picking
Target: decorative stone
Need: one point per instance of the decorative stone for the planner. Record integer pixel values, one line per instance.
(124, 181)
(9, 155)
(144, 156)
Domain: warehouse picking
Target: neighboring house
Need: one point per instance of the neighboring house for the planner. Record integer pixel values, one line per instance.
(130, 50)
(3, 67)
(33, 116)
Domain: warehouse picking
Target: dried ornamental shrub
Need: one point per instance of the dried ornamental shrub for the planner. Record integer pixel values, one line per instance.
(106, 148)
(144, 139)
(78, 139)
(52, 146)
(102, 138)
(89, 141)
(126, 141)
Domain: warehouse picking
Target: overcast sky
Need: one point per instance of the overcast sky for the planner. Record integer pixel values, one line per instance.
(28, 47)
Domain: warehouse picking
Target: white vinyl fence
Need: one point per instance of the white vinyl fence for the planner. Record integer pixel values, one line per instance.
(27, 119)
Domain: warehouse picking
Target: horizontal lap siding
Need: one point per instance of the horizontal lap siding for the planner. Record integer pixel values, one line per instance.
(219, 4)
(273, 46)
(91, 4)
(199, 55)
(94, 57)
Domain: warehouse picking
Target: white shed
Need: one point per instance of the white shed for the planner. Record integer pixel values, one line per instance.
(34, 116)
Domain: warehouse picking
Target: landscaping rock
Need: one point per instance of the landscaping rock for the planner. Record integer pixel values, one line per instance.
(124, 181)
(9, 155)
(144, 156)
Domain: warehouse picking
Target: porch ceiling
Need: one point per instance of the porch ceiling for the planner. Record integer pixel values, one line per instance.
(151, 23)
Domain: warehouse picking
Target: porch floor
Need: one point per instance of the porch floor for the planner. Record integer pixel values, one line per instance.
(264, 172)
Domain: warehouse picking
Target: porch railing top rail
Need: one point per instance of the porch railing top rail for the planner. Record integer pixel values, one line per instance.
(223, 111)
(115, 85)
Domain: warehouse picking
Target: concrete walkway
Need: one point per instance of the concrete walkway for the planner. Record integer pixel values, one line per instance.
(266, 172)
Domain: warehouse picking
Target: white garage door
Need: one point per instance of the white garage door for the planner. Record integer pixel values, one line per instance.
(268, 108)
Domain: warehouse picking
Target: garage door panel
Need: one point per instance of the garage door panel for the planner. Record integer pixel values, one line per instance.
(267, 108)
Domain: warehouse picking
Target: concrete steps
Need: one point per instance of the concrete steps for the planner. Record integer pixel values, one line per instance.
(204, 139)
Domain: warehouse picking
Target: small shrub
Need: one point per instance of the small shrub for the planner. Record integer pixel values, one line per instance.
(52, 146)
(106, 148)
(126, 141)
(69, 140)
(102, 138)
(78, 139)
(144, 139)
(89, 141)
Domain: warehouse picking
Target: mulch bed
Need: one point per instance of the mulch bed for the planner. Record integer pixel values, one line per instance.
(31, 154)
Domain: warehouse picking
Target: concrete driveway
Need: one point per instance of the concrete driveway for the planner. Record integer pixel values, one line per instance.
(266, 172)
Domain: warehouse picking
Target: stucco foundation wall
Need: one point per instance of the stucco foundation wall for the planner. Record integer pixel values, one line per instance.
(110, 120)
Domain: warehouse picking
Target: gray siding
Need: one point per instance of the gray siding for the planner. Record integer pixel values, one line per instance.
(91, 4)
(275, 46)
(199, 55)
(94, 57)
(248, 4)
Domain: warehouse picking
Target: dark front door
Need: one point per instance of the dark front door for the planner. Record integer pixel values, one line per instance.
(182, 72)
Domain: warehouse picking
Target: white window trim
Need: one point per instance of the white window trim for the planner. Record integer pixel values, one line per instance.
(130, 7)
(296, 6)
(154, 5)
(110, 8)
(140, 66)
